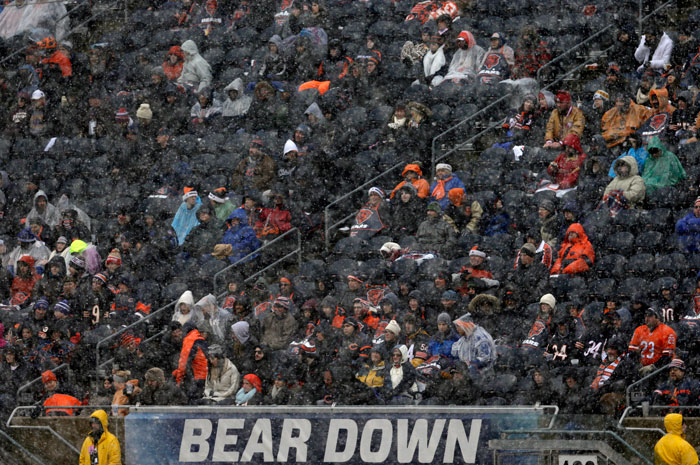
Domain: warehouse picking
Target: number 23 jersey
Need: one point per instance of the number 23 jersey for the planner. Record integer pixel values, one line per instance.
(652, 345)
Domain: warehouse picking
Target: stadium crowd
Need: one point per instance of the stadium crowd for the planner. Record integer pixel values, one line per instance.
(558, 265)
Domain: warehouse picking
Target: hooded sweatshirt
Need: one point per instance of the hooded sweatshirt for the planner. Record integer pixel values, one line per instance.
(673, 449)
(194, 315)
(108, 450)
(466, 61)
(662, 171)
(575, 256)
(196, 71)
(240, 105)
(50, 216)
(632, 185)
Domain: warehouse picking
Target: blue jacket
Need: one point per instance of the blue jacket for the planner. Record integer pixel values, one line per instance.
(640, 155)
(452, 183)
(241, 236)
(443, 347)
(185, 220)
(688, 232)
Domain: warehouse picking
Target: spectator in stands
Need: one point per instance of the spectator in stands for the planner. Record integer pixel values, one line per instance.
(220, 203)
(435, 234)
(679, 389)
(682, 125)
(434, 62)
(237, 103)
(464, 211)
(186, 217)
(196, 72)
(519, 127)
(637, 151)
(256, 171)
(239, 236)
(576, 253)
(413, 174)
(44, 210)
(158, 391)
(624, 47)
(646, 85)
(567, 166)
(475, 347)
(443, 183)
(530, 276)
(406, 207)
(279, 326)
(24, 280)
(662, 168)
(653, 344)
(565, 119)
(660, 59)
(467, 59)
(622, 121)
(531, 53)
(223, 377)
(549, 222)
(688, 230)
(206, 111)
(627, 182)
(100, 446)
(174, 62)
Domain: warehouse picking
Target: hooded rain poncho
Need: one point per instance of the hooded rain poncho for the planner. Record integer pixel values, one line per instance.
(662, 171)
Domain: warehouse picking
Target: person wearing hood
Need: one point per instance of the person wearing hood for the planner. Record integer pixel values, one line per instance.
(217, 317)
(413, 174)
(435, 234)
(662, 168)
(622, 120)
(274, 66)
(406, 207)
(193, 366)
(314, 117)
(100, 446)
(185, 310)
(174, 61)
(659, 103)
(627, 181)
(44, 210)
(662, 47)
(28, 246)
(239, 236)
(24, 280)
(565, 119)
(637, 151)
(475, 346)
(576, 253)
(466, 60)
(186, 217)
(566, 168)
(196, 72)
(673, 449)
(237, 103)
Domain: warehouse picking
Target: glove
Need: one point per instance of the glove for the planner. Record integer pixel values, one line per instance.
(646, 370)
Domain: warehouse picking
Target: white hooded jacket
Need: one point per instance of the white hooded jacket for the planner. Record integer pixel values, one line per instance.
(240, 105)
(195, 71)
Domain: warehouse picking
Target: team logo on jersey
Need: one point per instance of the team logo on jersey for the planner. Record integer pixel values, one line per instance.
(658, 121)
(492, 60)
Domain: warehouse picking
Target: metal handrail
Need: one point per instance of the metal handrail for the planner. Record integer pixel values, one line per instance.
(640, 381)
(454, 128)
(258, 250)
(121, 331)
(48, 428)
(21, 447)
(72, 30)
(327, 214)
(26, 386)
(575, 47)
(652, 407)
(157, 335)
(582, 432)
(642, 19)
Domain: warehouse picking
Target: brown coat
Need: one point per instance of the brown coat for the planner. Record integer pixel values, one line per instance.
(559, 126)
(617, 126)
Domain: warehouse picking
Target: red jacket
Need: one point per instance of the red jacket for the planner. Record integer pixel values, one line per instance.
(575, 256)
(567, 170)
(273, 221)
(62, 61)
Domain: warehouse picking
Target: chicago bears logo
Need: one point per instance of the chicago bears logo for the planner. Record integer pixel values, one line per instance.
(658, 121)
(363, 215)
(492, 60)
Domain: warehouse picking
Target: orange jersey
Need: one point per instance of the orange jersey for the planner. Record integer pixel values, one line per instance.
(652, 345)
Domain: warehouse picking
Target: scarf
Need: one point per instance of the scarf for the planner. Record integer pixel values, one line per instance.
(439, 190)
(604, 373)
(242, 397)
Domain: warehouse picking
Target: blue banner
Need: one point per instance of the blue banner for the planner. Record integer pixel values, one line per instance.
(318, 435)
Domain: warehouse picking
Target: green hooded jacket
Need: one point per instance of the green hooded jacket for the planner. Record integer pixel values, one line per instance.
(662, 171)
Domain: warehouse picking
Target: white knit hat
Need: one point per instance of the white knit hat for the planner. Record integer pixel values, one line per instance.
(443, 166)
(549, 300)
(393, 327)
(144, 111)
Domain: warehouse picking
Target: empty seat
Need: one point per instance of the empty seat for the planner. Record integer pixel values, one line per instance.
(641, 264)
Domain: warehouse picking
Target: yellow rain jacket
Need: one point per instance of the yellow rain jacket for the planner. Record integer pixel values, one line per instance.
(673, 449)
(108, 450)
